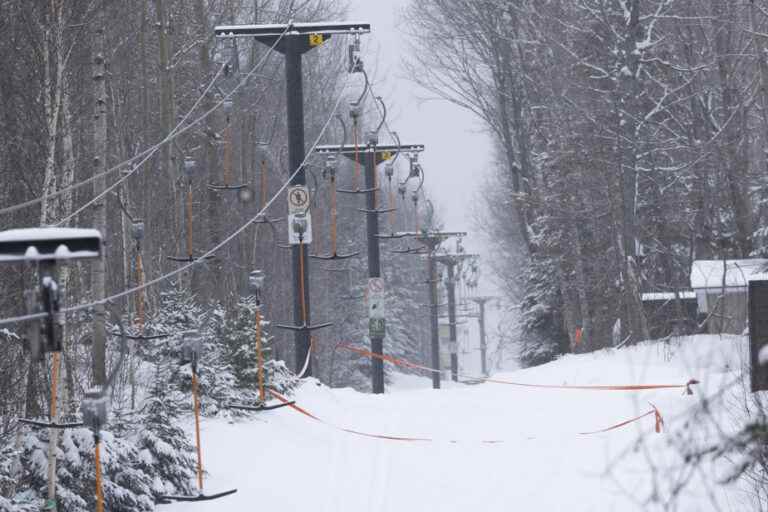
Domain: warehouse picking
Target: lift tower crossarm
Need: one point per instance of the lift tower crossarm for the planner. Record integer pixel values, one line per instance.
(447, 259)
(428, 238)
(383, 152)
(294, 29)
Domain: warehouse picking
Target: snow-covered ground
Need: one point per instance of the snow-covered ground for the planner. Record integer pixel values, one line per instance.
(283, 460)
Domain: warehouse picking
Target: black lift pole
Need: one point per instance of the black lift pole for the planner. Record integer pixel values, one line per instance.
(481, 301)
(374, 155)
(293, 41)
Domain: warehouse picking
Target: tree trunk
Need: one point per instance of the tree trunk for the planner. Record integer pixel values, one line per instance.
(98, 282)
(211, 284)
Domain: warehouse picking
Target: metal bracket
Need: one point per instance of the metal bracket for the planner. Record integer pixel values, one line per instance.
(304, 327)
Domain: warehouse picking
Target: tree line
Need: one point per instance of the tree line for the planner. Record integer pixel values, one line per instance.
(87, 88)
(630, 140)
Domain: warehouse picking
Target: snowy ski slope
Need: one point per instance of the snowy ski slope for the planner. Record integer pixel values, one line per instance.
(283, 460)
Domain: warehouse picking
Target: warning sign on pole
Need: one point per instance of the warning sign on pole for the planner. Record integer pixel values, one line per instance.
(376, 308)
(377, 327)
(298, 199)
(299, 217)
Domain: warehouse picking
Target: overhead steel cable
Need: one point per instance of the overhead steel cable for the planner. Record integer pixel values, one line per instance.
(179, 130)
(235, 234)
(147, 153)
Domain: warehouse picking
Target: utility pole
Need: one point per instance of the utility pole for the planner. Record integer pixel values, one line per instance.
(375, 154)
(294, 40)
(481, 301)
(450, 261)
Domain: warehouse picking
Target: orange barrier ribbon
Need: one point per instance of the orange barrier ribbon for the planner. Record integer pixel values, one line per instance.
(623, 387)
(654, 411)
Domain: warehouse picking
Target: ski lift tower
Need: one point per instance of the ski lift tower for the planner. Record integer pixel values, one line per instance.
(375, 154)
(481, 301)
(294, 40)
(431, 240)
(450, 261)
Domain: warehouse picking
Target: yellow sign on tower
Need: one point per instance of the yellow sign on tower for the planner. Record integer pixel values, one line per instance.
(316, 39)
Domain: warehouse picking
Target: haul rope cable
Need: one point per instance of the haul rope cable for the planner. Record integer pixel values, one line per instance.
(388, 437)
(177, 131)
(136, 167)
(183, 268)
(149, 151)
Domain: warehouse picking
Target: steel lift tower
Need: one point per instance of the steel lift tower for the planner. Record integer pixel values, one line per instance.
(375, 154)
(293, 40)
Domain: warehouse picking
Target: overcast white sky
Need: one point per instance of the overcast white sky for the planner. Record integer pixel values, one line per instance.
(457, 153)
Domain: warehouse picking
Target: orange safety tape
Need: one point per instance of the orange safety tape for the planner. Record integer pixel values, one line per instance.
(308, 414)
(623, 387)
(655, 411)
(349, 431)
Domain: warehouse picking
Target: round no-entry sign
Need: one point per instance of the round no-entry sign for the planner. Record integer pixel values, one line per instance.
(298, 199)
(375, 285)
